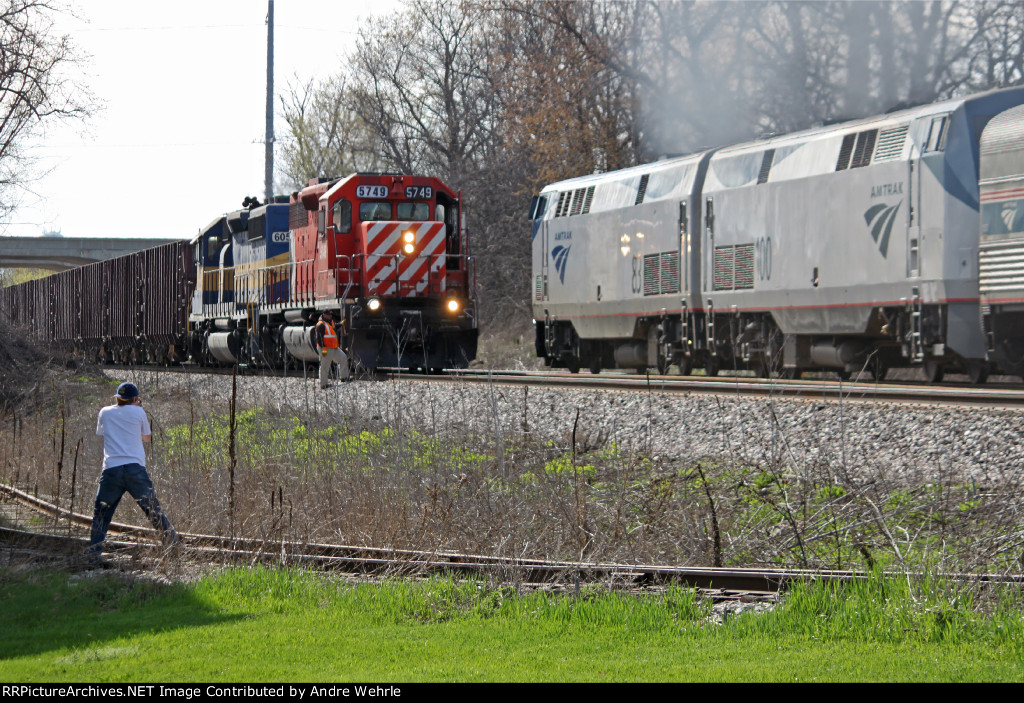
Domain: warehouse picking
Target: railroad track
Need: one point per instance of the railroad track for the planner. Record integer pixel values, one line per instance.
(1002, 395)
(1007, 396)
(718, 583)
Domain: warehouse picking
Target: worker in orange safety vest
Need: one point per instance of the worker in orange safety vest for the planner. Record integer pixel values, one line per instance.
(328, 345)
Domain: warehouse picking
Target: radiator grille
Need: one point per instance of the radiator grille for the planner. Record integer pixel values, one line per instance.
(1001, 266)
(297, 217)
(652, 274)
(744, 277)
(890, 144)
(733, 267)
(564, 199)
(661, 273)
(670, 272)
(577, 201)
(574, 202)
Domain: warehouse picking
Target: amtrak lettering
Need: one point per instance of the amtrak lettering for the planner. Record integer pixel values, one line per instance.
(884, 191)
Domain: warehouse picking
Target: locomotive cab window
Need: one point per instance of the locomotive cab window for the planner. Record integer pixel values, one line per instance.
(343, 217)
(937, 134)
(255, 229)
(447, 211)
(414, 212)
(213, 247)
(538, 207)
(374, 211)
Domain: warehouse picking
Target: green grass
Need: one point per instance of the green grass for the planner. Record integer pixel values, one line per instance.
(263, 438)
(264, 625)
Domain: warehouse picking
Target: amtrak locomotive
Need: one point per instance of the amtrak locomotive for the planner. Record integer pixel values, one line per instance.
(852, 247)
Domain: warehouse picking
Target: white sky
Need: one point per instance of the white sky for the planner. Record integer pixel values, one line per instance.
(179, 138)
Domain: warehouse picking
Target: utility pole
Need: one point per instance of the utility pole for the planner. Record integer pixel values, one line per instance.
(268, 174)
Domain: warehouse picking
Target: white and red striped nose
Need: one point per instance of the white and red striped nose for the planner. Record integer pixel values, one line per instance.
(404, 259)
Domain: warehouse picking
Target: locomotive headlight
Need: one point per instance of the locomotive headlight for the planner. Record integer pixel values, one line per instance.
(453, 305)
(409, 249)
(373, 304)
(409, 237)
(409, 242)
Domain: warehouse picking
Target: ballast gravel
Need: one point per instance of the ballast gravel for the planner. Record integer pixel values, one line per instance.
(918, 442)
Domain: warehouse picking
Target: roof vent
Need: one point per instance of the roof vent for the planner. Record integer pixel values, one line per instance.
(642, 190)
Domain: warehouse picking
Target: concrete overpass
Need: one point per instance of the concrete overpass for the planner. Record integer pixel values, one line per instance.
(61, 253)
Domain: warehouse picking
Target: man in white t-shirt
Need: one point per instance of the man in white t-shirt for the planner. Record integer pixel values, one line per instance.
(124, 427)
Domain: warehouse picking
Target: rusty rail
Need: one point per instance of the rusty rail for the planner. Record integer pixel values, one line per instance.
(723, 582)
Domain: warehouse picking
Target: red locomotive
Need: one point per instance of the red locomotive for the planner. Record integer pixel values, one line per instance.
(388, 253)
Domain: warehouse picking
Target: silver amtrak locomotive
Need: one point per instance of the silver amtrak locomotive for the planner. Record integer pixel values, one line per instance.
(851, 248)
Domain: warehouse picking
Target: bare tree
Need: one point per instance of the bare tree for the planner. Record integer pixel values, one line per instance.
(714, 73)
(564, 112)
(34, 87)
(421, 80)
(325, 136)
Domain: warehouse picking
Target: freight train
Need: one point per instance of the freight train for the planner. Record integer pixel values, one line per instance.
(388, 253)
(893, 241)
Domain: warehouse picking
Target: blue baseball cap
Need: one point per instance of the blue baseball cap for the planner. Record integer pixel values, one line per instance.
(127, 391)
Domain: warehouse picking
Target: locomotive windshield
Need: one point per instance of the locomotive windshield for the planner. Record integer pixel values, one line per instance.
(213, 247)
(371, 211)
(418, 212)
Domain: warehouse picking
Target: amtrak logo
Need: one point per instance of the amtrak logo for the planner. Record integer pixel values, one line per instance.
(881, 218)
(561, 256)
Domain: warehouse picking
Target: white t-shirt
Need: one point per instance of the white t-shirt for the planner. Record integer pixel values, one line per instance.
(121, 428)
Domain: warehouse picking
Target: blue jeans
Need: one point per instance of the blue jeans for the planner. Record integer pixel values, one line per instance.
(114, 481)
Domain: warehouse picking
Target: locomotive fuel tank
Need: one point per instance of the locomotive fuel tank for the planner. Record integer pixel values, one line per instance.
(299, 342)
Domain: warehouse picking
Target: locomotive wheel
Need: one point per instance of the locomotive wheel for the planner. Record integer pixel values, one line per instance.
(573, 365)
(712, 366)
(663, 364)
(595, 365)
(933, 371)
(792, 374)
(843, 375)
(878, 370)
(685, 366)
(977, 371)
(770, 365)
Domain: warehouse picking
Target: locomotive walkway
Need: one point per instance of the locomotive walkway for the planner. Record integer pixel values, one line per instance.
(61, 253)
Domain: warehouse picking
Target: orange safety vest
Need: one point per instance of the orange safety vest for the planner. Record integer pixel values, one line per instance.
(330, 336)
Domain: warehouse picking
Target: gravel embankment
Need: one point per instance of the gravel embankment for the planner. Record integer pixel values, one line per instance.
(923, 443)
